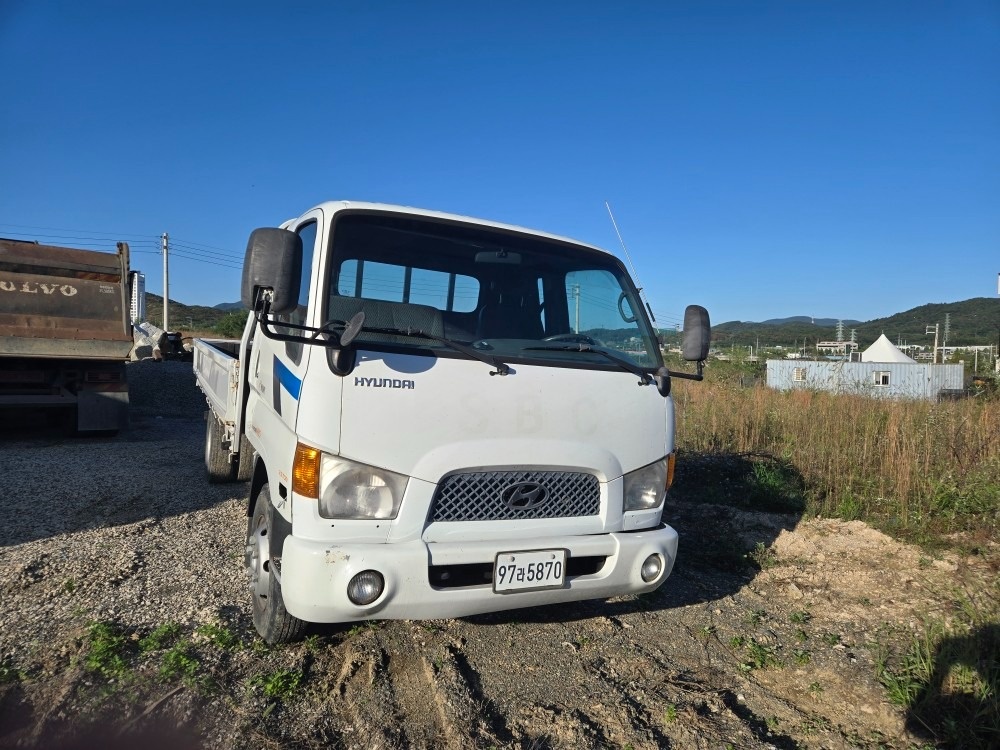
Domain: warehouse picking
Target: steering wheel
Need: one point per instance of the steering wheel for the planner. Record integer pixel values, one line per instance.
(572, 338)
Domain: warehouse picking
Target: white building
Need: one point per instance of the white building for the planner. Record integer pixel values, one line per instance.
(883, 372)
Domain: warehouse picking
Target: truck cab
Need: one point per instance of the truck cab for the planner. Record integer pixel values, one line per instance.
(447, 416)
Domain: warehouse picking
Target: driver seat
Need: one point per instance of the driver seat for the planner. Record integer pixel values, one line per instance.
(509, 317)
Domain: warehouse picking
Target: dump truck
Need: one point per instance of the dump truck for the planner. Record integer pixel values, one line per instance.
(440, 416)
(65, 331)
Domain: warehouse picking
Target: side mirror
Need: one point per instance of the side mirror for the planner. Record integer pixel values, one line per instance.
(697, 334)
(273, 261)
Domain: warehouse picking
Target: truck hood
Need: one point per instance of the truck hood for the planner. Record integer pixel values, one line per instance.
(426, 417)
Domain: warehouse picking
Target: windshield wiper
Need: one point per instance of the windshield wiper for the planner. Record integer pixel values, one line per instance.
(644, 377)
(502, 368)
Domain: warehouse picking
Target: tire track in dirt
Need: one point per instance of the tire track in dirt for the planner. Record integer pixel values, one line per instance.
(392, 695)
(488, 724)
(359, 694)
(422, 705)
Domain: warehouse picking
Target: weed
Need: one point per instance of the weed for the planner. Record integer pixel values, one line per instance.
(69, 585)
(179, 662)
(776, 485)
(802, 656)
(219, 636)
(815, 689)
(362, 627)
(756, 616)
(160, 638)
(9, 673)
(800, 618)
(831, 639)
(801, 636)
(759, 656)
(932, 466)
(737, 641)
(708, 630)
(762, 556)
(670, 714)
(948, 678)
(278, 686)
(772, 723)
(311, 642)
(107, 653)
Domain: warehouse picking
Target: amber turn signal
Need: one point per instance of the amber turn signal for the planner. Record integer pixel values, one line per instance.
(305, 471)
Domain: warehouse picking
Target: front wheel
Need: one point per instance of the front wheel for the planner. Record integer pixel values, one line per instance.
(270, 617)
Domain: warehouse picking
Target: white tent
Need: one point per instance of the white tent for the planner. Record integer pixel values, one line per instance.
(884, 351)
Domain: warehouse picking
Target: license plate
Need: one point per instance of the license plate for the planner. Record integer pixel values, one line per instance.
(529, 571)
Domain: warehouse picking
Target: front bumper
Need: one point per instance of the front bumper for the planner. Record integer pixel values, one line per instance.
(314, 575)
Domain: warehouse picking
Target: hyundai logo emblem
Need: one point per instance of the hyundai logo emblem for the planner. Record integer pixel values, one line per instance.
(524, 495)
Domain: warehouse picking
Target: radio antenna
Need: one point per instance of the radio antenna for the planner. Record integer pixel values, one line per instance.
(629, 257)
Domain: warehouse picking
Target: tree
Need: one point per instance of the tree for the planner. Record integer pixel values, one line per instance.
(231, 326)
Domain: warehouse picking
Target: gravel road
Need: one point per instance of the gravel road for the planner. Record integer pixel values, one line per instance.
(125, 620)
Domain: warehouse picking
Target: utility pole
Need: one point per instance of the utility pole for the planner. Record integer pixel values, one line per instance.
(576, 295)
(935, 332)
(165, 240)
(947, 329)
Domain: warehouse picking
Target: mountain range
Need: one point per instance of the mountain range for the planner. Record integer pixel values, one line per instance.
(970, 322)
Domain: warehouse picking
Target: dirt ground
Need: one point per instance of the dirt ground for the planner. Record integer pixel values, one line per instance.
(766, 635)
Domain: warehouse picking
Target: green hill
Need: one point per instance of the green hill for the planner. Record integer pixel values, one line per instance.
(187, 318)
(973, 321)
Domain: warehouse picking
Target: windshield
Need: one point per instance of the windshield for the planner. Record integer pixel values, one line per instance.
(511, 295)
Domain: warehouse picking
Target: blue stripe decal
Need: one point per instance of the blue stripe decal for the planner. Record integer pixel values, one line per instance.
(287, 378)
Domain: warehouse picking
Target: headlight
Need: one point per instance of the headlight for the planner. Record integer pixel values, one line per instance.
(352, 490)
(645, 488)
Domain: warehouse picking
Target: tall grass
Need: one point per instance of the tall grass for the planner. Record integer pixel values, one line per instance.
(917, 469)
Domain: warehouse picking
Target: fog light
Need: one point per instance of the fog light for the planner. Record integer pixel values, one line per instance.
(365, 587)
(651, 568)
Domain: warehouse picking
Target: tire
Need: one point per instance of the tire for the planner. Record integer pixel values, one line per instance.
(270, 617)
(244, 470)
(217, 464)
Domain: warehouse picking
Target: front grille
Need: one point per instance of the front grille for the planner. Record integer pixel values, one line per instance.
(483, 495)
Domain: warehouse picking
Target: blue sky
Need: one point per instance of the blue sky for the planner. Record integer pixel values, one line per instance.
(764, 159)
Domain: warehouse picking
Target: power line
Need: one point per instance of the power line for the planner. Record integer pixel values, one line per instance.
(88, 232)
(202, 244)
(187, 257)
(83, 240)
(90, 238)
(207, 253)
(194, 248)
(176, 254)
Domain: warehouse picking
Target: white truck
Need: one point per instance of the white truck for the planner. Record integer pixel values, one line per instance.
(440, 416)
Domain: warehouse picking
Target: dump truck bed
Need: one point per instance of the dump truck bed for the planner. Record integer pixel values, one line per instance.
(63, 303)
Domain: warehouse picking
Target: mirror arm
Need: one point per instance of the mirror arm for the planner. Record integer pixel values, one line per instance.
(341, 358)
(697, 375)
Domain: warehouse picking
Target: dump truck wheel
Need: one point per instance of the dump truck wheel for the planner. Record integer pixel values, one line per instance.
(217, 464)
(244, 471)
